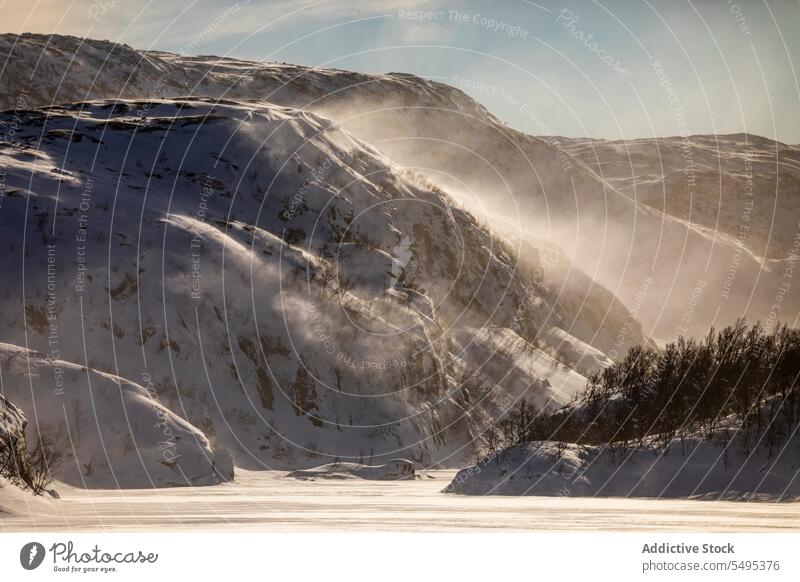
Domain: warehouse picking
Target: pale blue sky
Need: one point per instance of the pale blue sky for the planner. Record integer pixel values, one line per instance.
(731, 66)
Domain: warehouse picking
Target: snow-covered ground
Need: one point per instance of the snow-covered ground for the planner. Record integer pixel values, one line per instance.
(15, 502)
(393, 470)
(269, 501)
(696, 468)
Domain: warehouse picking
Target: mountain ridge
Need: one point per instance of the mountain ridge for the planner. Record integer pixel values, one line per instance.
(269, 280)
(617, 237)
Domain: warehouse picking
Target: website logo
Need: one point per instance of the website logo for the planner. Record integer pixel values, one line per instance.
(31, 555)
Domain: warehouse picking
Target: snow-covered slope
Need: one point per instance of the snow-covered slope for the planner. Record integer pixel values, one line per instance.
(717, 182)
(440, 132)
(696, 467)
(111, 432)
(266, 277)
(678, 276)
(40, 70)
(578, 354)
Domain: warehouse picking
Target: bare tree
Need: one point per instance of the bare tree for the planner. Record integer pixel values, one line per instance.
(41, 462)
(345, 286)
(325, 279)
(31, 468)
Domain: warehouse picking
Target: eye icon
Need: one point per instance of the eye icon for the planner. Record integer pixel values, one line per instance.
(31, 555)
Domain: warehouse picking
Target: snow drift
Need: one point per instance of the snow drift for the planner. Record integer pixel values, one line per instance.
(112, 432)
(391, 471)
(693, 468)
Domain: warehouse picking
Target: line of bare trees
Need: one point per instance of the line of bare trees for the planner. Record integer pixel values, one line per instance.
(741, 381)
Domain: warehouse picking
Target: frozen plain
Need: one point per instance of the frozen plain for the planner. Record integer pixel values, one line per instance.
(268, 501)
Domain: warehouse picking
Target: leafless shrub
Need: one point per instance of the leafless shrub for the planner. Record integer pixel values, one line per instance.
(30, 468)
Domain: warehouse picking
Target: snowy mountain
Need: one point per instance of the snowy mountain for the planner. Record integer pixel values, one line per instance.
(677, 273)
(719, 183)
(193, 282)
(676, 261)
